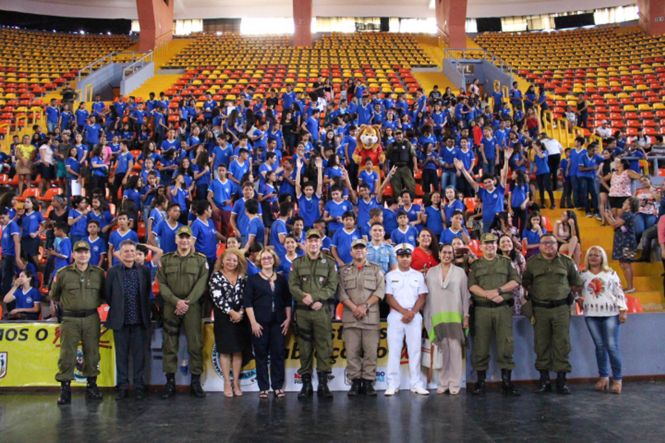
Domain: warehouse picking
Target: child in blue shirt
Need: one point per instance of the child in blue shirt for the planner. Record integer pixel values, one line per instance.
(405, 233)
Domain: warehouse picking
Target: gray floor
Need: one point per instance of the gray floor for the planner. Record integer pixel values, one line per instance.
(636, 415)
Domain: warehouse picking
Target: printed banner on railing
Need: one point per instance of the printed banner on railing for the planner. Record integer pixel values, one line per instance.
(29, 356)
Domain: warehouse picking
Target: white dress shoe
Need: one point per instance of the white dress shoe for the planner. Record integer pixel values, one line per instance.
(420, 391)
(390, 392)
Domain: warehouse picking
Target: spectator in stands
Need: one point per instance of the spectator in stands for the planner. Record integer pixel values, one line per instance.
(425, 255)
(25, 153)
(604, 131)
(509, 249)
(582, 111)
(625, 243)
(25, 299)
(620, 181)
(567, 233)
(604, 305)
(542, 171)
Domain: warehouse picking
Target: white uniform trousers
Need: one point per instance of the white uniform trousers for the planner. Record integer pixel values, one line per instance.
(397, 330)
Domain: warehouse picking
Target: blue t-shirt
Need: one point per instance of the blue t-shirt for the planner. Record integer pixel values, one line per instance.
(309, 209)
(450, 208)
(389, 220)
(364, 208)
(27, 299)
(242, 221)
(166, 235)
(122, 161)
(492, 204)
(256, 229)
(542, 167)
(64, 247)
(278, 227)
(31, 223)
(489, 148)
(206, 238)
(409, 236)
(532, 237)
(434, 220)
(448, 235)
(97, 248)
(575, 160)
(92, 133)
(221, 192)
(8, 233)
(342, 240)
(335, 210)
(518, 194)
(369, 178)
(80, 228)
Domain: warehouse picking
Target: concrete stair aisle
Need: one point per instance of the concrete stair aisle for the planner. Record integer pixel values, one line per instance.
(647, 276)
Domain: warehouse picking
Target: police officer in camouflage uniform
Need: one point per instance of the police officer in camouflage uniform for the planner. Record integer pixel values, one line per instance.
(182, 279)
(551, 278)
(313, 283)
(492, 280)
(361, 288)
(78, 290)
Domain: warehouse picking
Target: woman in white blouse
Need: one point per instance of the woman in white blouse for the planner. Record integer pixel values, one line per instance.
(604, 306)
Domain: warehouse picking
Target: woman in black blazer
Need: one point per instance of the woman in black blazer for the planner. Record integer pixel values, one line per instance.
(268, 308)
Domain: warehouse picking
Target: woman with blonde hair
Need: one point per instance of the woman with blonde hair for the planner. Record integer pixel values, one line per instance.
(232, 332)
(267, 301)
(604, 305)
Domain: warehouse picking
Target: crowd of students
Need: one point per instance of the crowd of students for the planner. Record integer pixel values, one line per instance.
(260, 171)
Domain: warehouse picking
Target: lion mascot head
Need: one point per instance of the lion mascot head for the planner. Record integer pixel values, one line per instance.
(368, 146)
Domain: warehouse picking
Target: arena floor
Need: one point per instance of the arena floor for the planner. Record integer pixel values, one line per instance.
(586, 416)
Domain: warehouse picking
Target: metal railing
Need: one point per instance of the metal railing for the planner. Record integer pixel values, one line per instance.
(138, 64)
(116, 56)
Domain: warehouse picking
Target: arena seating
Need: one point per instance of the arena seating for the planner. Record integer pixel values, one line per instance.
(33, 63)
(621, 70)
(225, 65)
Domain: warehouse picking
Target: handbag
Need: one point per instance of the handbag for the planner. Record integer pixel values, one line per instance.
(430, 355)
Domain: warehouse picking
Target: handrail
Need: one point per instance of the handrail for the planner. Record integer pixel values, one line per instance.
(477, 54)
(137, 64)
(120, 56)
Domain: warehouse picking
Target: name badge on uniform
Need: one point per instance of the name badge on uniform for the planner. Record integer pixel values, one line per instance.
(321, 279)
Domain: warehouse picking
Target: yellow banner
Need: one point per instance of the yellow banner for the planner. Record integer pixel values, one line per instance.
(29, 356)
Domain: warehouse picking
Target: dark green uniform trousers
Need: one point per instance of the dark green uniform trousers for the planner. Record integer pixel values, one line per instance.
(191, 321)
(314, 336)
(72, 331)
(488, 323)
(552, 338)
(403, 179)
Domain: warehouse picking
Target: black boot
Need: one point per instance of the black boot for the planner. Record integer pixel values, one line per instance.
(92, 392)
(65, 393)
(323, 390)
(561, 387)
(368, 388)
(507, 386)
(479, 389)
(544, 384)
(123, 393)
(307, 389)
(196, 388)
(355, 388)
(169, 387)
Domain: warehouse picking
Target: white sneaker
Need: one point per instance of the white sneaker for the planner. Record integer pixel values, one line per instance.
(390, 392)
(454, 391)
(420, 391)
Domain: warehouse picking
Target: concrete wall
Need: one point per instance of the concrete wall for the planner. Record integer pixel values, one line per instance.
(484, 71)
(137, 78)
(103, 79)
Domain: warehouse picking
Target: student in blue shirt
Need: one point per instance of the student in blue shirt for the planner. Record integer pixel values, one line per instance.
(566, 193)
(451, 204)
(413, 211)
(279, 230)
(97, 244)
(62, 248)
(82, 116)
(31, 224)
(291, 253)
(489, 151)
(343, 238)
(588, 170)
(255, 229)
(239, 220)
(204, 232)
(455, 230)
(201, 171)
(238, 168)
(92, 132)
(433, 215)
(334, 209)
(24, 297)
(542, 171)
(78, 219)
(11, 249)
(574, 161)
(491, 194)
(405, 233)
(531, 235)
(163, 234)
(311, 126)
(519, 200)
(221, 153)
(220, 197)
(308, 198)
(52, 116)
(118, 236)
(369, 176)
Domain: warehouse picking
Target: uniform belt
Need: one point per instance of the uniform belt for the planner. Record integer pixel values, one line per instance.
(489, 304)
(550, 304)
(79, 314)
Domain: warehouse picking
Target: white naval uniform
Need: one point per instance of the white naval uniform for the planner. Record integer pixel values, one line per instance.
(405, 287)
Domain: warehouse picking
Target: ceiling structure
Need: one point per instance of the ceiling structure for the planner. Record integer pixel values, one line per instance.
(196, 9)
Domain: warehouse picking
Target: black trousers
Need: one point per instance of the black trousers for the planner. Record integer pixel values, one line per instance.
(130, 341)
(553, 162)
(269, 348)
(8, 269)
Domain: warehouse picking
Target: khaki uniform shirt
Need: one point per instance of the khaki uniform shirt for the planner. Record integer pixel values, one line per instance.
(78, 291)
(550, 280)
(358, 285)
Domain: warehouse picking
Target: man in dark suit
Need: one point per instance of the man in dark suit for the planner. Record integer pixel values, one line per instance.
(128, 286)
